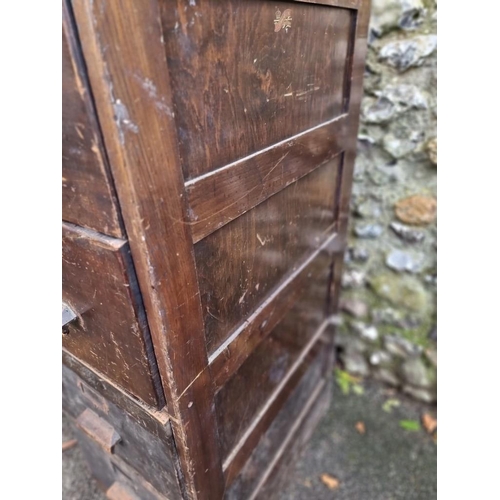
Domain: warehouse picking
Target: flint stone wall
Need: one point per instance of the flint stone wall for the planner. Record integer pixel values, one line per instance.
(389, 280)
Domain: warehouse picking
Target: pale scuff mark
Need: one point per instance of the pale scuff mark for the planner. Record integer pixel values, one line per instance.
(242, 298)
(213, 316)
(79, 126)
(123, 119)
(304, 92)
(159, 101)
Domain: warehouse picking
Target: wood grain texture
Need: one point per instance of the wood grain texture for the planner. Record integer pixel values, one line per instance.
(131, 86)
(226, 360)
(283, 463)
(88, 196)
(146, 443)
(280, 84)
(239, 401)
(306, 376)
(96, 391)
(259, 248)
(224, 194)
(110, 333)
(110, 470)
(272, 444)
(345, 4)
(98, 429)
(232, 180)
(118, 491)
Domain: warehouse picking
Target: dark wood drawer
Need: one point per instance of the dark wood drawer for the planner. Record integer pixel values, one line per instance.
(87, 194)
(134, 435)
(233, 171)
(261, 248)
(278, 449)
(110, 332)
(277, 358)
(301, 379)
(281, 82)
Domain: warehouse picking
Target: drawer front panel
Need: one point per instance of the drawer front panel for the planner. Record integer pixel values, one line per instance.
(283, 441)
(242, 262)
(87, 196)
(110, 333)
(149, 454)
(312, 372)
(240, 400)
(284, 80)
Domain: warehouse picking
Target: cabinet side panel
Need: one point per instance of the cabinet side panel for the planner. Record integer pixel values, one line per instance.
(88, 197)
(131, 85)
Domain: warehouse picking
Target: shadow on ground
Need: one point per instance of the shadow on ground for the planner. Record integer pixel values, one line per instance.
(387, 462)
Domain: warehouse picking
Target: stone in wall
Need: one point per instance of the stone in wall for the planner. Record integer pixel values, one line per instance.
(403, 54)
(416, 210)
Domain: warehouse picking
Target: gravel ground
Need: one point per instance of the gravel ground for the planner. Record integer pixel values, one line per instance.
(387, 462)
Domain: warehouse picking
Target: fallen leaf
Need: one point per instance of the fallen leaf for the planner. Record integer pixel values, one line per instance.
(429, 423)
(390, 404)
(330, 481)
(69, 444)
(358, 389)
(410, 425)
(346, 382)
(360, 427)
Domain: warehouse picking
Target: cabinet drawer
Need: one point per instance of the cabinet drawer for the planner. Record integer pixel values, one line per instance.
(140, 438)
(109, 332)
(260, 248)
(290, 75)
(87, 194)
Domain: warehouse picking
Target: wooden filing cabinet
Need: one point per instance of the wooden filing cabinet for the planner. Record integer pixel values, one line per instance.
(208, 148)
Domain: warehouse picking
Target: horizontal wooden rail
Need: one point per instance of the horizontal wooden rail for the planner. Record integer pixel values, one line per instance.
(220, 196)
(318, 391)
(226, 360)
(344, 4)
(242, 450)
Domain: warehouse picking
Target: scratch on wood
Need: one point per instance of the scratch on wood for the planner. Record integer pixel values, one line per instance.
(78, 131)
(213, 316)
(304, 92)
(190, 384)
(279, 161)
(242, 298)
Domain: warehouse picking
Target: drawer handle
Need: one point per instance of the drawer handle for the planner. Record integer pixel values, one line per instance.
(118, 491)
(68, 316)
(98, 429)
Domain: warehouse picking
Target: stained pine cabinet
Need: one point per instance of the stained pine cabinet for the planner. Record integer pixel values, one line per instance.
(208, 149)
